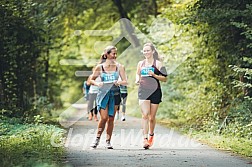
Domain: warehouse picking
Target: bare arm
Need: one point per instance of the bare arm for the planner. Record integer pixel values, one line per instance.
(138, 72)
(95, 74)
(159, 77)
(89, 80)
(122, 74)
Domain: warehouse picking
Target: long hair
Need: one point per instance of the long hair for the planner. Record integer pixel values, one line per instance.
(106, 51)
(155, 54)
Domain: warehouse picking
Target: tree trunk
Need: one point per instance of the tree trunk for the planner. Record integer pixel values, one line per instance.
(154, 2)
(46, 64)
(1, 94)
(1, 84)
(127, 25)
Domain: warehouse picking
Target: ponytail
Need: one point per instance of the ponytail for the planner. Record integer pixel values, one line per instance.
(107, 50)
(155, 54)
(102, 58)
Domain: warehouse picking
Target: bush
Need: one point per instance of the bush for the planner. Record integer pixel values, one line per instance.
(29, 144)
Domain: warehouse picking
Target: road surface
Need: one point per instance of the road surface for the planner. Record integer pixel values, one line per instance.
(170, 148)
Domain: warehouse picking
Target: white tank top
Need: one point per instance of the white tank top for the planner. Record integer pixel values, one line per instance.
(93, 88)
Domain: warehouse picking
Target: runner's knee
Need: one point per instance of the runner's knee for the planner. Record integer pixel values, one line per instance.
(104, 119)
(111, 119)
(145, 116)
(152, 119)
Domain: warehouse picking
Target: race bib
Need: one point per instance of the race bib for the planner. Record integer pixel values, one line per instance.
(145, 71)
(109, 78)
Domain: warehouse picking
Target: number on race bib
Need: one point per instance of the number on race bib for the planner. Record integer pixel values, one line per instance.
(109, 78)
(145, 71)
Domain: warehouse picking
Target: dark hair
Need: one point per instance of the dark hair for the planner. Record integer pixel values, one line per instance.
(102, 58)
(106, 51)
(155, 54)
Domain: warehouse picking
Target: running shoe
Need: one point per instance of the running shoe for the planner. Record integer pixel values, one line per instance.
(146, 144)
(151, 140)
(123, 118)
(108, 145)
(95, 143)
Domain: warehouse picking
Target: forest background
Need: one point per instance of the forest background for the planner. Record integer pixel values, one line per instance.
(46, 53)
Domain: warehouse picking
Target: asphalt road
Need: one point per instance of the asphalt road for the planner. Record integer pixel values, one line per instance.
(170, 148)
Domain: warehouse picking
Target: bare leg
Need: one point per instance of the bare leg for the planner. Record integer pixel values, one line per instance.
(145, 109)
(152, 117)
(102, 122)
(124, 105)
(91, 102)
(110, 125)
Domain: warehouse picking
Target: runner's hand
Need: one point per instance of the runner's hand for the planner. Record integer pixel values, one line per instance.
(99, 84)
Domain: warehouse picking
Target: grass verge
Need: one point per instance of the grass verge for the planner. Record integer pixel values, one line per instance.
(30, 144)
(237, 145)
(240, 146)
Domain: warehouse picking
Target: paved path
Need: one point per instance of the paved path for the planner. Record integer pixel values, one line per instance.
(170, 148)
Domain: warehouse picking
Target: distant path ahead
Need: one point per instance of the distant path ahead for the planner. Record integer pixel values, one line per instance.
(170, 148)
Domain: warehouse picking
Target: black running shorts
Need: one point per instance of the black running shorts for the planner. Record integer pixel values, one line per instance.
(154, 96)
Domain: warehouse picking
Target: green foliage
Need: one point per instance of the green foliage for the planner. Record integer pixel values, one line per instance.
(238, 145)
(239, 120)
(18, 50)
(29, 144)
(209, 86)
(211, 90)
